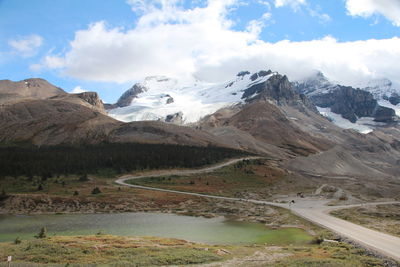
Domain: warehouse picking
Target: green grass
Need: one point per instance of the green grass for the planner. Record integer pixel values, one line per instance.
(232, 180)
(105, 250)
(109, 250)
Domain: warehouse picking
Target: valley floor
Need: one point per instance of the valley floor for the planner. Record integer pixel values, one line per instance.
(59, 196)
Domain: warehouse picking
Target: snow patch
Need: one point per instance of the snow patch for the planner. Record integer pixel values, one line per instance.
(387, 104)
(363, 125)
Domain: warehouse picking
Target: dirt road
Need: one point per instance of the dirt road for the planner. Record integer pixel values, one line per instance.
(312, 209)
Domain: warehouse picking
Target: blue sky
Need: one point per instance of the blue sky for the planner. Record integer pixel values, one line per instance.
(107, 45)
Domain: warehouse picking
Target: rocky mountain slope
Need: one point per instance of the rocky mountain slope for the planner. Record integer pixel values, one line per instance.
(28, 88)
(49, 116)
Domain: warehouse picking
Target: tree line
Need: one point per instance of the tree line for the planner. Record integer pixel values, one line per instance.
(47, 161)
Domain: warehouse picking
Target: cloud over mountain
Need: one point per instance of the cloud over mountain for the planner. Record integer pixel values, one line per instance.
(203, 42)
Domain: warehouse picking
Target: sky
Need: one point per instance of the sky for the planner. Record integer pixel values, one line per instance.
(108, 45)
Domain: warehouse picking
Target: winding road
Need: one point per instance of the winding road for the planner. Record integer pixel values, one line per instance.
(312, 209)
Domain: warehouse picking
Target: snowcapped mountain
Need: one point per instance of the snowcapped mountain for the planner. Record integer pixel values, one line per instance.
(375, 104)
(315, 85)
(170, 100)
(380, 88)
(166, 99)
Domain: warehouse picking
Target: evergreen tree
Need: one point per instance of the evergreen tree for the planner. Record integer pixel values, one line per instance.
(42, 233)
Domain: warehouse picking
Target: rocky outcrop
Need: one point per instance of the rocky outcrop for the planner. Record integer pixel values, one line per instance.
(176, 118)
(279, 89)
(127, 97)
(353, 103)
(170, 99)
(259, 74)
(243, 73)
(87, 99)
(93, 99)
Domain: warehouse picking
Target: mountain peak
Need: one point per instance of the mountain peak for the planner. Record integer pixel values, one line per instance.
(29, 88)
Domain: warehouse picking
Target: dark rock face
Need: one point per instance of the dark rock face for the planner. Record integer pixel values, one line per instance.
(170, 99)
(243, 73)
(353, 103)
(127, 97)
(254, 77)
(394, 99)
(384, 114)
(345, 100)
(280, 89)
(261, 73)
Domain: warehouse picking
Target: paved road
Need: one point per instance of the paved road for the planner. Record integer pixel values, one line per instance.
(315, 211)
(312, 209)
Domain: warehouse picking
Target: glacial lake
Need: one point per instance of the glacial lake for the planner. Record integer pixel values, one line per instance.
(197, 229)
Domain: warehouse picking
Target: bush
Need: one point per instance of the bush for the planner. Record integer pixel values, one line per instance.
(17, 241)
(317, 240)
(96, 190)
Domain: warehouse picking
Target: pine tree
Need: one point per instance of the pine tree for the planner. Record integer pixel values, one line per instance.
(42, 233)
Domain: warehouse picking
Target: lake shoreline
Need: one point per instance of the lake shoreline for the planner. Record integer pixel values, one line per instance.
(36, 204)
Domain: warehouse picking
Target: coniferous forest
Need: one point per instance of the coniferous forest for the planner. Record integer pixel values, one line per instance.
(116, 157)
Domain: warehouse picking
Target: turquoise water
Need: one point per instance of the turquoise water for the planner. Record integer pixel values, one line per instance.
(198, 229)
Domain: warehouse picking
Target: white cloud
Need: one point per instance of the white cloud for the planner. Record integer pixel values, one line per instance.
(316, 13)
(201, 42)
(265, 3)
(48, 62)
(53, 62)
(346, 62)
(26, 46)
(295, 4)
(366, 8)
(37, 67)
(78, 90)
(256, 26)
